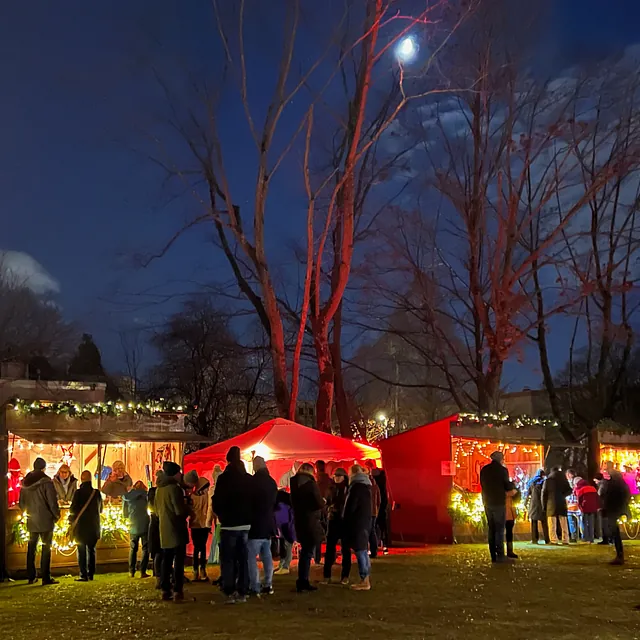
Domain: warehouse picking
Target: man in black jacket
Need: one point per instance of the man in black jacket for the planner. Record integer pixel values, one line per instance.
(494, 480)
(615, 504)
(307, 509)
(232, 500)
(84, 516)
(264, 493)
(357, 523)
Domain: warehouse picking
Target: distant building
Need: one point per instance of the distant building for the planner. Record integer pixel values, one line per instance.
(306, 413)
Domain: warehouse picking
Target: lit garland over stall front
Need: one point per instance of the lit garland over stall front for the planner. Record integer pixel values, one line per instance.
(114, 528)
(111, 409)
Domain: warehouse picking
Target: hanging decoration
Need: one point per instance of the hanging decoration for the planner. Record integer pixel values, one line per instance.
(14, 482)
(113, 409)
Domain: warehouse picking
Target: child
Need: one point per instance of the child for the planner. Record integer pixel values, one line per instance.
(198, 506)
(513, 496)
(135, 506)
(286, 530)
(589, 503)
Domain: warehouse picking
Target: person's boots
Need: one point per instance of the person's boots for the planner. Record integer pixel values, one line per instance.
(304, 585)
(510, 553)
(158, 582)
(619, 560)
(203, 575)
(363, 585)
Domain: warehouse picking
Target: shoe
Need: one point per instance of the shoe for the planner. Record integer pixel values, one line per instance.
(231, 600)
(344, 581)
(90, 578)
(254, 594)
(144, 575)
(326, 581)
(203, 575)
(301, 587)
(385, 551)
(178, 597)
(283, 571)
(196, 577)
(167, 596)
(267, 591)
(504, 560)
(364, 585)
(512, 555)
(603, 543)
(46, 583)
(132, 575)
(617, 561)
(34, 581)
(241, 599)
(82, 579)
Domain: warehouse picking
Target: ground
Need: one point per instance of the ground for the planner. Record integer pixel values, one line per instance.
(554, 593)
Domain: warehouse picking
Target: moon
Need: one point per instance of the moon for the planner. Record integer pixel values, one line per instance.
(407, 49)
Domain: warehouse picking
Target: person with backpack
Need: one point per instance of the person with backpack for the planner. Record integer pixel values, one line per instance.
(84, 517)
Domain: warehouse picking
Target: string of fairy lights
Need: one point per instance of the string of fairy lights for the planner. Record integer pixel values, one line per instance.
(484, 448)
(113, 525)
(505, 420)
(95, 409)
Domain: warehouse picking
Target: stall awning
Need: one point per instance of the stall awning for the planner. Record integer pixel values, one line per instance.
(85, 436)
(281, 439)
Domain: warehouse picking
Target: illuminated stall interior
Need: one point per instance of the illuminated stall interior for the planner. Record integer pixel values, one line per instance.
(621, 456)
(469, 455)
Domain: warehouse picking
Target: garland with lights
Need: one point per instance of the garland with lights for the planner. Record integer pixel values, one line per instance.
(504, 420)
(466, 508)
(113, 526)
(91, 410)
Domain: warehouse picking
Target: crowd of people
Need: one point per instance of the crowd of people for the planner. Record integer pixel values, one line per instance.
(563, 507)
(249, 516)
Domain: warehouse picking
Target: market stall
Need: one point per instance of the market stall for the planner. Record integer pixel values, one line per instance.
(99, 438)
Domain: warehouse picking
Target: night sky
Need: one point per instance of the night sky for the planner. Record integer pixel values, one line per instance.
(75, 193)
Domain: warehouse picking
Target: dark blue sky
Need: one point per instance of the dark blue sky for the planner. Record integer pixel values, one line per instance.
(77, 98)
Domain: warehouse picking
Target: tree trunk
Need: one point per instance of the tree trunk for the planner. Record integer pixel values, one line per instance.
(593, 452)
(342, 404)
(324, 401)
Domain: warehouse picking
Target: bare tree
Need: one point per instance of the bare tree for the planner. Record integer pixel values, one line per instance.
(241, 235)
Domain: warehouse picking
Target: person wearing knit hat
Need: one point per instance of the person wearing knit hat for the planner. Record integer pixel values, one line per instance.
(39, 501)
(191, 478)
(171, 508)
(232, 504)
(264, 495)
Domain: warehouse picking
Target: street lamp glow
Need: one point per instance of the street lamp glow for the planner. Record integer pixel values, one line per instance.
(407, 49)
(382, 417)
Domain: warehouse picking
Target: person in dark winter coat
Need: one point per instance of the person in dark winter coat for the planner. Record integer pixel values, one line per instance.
(615, 504)
(65, 483)
(264, 493)
(170, 505)
(307, 506)
(335, 507)
(494, 481)
(39, 501)
(382, 521)
(84, 518)
(286, 530)
(536, 511)
(555, 490)
(376, 499)
(356, 520)
(589, 503)
(155, 548)
(232, 505)
(135, 506)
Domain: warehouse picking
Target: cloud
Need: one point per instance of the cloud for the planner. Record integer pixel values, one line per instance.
(27, 272)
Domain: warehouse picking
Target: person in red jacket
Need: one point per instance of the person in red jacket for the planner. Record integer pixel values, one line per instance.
(589, 503)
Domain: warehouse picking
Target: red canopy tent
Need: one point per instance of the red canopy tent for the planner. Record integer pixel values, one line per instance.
(281, 443)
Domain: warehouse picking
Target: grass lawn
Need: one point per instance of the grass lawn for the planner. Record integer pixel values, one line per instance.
(552, 593)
